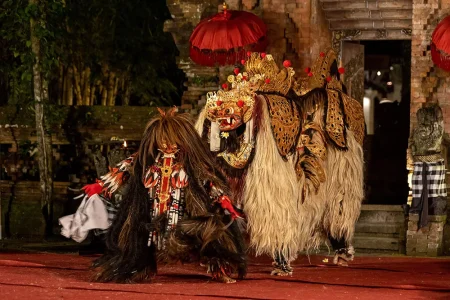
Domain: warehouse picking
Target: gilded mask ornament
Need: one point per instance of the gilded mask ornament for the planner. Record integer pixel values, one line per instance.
(228, 112)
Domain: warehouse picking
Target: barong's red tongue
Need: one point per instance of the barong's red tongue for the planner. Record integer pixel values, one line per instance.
(225, 122)
(164, 193)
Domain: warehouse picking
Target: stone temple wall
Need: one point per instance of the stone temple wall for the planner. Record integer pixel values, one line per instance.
(297, 30)
(428, 83)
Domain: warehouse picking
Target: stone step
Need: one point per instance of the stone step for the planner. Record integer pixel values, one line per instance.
(386, 228)
(379, 234)
(376, 243)
(381, 214)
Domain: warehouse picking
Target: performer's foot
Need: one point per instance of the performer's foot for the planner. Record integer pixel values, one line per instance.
(342, 262)
(223, 278)
(220, 272)
(343, 256)
(281, 269)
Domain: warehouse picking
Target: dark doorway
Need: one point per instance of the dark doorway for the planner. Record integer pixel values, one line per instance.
(386, 108)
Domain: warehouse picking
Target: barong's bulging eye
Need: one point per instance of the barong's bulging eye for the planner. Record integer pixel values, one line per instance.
(229, 111)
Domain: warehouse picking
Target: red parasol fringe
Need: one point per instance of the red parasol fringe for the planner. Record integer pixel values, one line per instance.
(222, 58)
(440, 58)
(441, 35)
(225, 38)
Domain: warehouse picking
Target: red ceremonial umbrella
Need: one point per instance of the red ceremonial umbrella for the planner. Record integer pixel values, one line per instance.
(440, 45)
(226, 37)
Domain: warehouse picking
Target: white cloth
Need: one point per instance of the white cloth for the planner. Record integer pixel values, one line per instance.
(91, 214)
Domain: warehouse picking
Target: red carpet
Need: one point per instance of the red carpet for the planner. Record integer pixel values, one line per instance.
(66, 276)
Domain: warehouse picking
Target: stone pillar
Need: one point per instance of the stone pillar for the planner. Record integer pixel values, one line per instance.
(427, 241)
(428, 82)
(186, 14)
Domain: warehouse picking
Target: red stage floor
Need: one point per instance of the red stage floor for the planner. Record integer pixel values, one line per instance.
(66, 276)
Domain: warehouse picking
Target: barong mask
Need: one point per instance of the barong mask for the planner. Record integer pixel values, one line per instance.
(234, 105)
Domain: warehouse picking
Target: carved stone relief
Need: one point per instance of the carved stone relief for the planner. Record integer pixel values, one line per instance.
(354, 77)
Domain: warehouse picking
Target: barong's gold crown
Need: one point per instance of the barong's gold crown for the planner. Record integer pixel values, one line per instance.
(321, 69)
(319, 75)
(261, 74)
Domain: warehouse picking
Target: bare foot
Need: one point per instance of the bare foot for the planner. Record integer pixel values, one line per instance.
(342, 262)
(280, 272)
(224, 279)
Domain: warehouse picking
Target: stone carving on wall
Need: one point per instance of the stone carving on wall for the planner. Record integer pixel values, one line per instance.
(381, 33)
(407, 32)
(354, 76)
(341, 35)
(427, 136)
(428, 184)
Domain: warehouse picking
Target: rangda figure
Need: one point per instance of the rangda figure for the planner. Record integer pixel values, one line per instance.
(292, 154)
(174, 208)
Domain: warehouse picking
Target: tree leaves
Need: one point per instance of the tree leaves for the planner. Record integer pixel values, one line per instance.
(125, 35)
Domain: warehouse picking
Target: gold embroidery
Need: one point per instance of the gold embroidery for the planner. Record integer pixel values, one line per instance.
(274, 80)
(354, 116)
(335, 120)
(334, 84)
(285, 121)
(312, 169)
(315, 148)
(312, 151)
(238, 159)
(321, 69)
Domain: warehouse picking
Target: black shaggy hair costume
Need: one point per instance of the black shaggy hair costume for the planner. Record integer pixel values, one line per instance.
(204, 234)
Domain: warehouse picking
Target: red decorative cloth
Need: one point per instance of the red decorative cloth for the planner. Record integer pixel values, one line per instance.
(225, 202)
(93, 189)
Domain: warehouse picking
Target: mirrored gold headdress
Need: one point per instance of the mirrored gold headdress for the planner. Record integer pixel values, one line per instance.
(262, 75)
(319, 75)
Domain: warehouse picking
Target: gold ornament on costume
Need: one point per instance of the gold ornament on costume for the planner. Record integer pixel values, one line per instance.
(280, 81)
(334, 84)
(335, 125)
(318, 149)
(354, 117)
(285, 121)
(343, 112)
(320, 74)
(238, 159)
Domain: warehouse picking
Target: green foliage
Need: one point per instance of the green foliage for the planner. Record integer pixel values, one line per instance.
(16, 65)
(128, 37)
(25, 148)
(202, 80)
(16, 57)
(124, 35)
